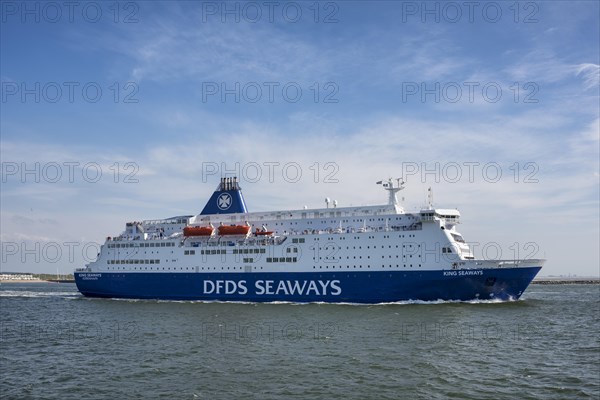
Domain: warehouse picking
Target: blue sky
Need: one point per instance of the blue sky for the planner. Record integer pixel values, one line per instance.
(161, 98)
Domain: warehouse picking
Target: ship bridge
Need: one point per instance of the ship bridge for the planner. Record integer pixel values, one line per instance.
(451, 216)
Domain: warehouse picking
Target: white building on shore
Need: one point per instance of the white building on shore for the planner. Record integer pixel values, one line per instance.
(17, 277)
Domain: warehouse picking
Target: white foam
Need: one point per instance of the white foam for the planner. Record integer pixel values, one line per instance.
(27, 293)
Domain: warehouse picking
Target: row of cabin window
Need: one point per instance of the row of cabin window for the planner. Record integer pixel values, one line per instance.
(133, 262)
(281, 259)
(219, 251)
(354, 266)
(297, 240)
(235, 251)
(249, 251)
(358, 237)
(122, 245)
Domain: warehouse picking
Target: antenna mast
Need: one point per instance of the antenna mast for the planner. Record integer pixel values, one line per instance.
(430, 198)
(392, 190)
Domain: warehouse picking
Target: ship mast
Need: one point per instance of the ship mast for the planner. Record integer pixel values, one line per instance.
(429, 199)
(392, 190)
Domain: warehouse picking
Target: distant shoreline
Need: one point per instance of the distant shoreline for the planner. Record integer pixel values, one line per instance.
(566, 281)
(36, 281)
(22, 277)
(537, 281)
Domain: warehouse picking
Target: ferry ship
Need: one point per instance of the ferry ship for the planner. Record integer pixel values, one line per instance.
(363, 254)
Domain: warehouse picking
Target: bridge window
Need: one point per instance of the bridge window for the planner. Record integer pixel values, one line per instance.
(458, 238)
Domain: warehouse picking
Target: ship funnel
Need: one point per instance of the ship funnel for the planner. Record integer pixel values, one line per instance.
(227, 199)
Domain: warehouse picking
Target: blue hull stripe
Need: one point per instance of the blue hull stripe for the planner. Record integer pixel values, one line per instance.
(351, 287)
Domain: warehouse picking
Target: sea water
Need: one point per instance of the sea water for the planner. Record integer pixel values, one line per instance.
(57, 344)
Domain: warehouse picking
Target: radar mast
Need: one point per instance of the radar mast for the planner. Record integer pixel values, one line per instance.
(392, 190)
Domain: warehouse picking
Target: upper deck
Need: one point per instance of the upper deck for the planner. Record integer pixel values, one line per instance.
(315, 213)
(331, 219)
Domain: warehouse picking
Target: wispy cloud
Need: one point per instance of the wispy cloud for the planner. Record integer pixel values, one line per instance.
(590, 74)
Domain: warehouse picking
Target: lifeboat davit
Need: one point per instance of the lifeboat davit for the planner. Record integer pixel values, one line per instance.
(234, 229)
(198, 230)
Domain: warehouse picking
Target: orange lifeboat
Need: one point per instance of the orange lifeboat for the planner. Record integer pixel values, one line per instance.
(198, 230)
(234, 229)
(263, 233)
